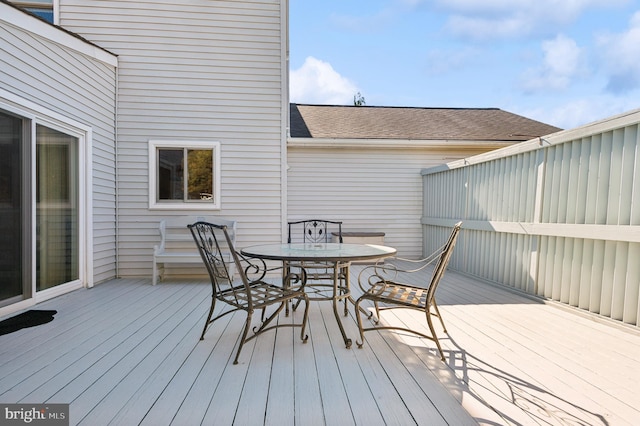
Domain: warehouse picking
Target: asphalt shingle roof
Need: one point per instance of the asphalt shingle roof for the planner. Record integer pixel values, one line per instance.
(407, 123)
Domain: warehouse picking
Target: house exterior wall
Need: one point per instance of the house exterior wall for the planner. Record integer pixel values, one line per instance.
(194, 71)
(49, 70)
(369, 188)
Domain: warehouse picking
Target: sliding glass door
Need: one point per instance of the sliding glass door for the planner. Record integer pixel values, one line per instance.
(12, 214)
(56, 208)
(39, 208)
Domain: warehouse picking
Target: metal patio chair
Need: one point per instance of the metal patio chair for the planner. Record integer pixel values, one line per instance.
(319, 276)
(382, 285)
(214, 243)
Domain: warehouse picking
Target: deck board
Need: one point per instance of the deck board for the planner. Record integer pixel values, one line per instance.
(335, 403)
(306, 392)
(364, 409)
(281, 377)
(128, 353)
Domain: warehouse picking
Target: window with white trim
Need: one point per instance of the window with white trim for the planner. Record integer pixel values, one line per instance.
(184, 175)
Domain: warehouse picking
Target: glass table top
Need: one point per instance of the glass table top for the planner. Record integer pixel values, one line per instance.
(319, 251)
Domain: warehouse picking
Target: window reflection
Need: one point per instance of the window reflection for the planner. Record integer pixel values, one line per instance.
(200, 166)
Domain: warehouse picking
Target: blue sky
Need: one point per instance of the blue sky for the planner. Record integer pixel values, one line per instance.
(563, 62)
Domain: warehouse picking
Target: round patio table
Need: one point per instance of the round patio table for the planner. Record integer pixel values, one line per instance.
(339, 254)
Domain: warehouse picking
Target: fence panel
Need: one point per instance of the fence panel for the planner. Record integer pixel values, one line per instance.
(557, 216)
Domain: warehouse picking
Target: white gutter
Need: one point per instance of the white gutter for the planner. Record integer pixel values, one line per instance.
(396, 143)
(284, 118)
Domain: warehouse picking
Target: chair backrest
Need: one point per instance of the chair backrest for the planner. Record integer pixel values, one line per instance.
(211, 240)
(443, 261)
(314, 231)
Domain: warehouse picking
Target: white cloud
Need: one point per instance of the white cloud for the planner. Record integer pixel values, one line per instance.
(579, 112)
(364, 24)
(563, 60)
(572, 114)
(619, 57)
(444, 61)
(490, 19)
(410, 3)
(316, 82)
(479, 28)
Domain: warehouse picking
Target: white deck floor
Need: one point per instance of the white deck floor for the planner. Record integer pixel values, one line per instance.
(127, 353)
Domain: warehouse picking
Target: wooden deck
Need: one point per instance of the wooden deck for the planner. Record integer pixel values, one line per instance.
(127, 353)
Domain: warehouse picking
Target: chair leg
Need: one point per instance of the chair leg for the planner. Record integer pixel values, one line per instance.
(435, 305)
(206, 324)
(343, 284)
(243, 338)
(376, 320)
(347, 341)
(305, 317)
(337, 292)
(434, 335)
(360, 326)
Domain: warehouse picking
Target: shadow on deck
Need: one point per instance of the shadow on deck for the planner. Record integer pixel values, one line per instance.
(126, 352)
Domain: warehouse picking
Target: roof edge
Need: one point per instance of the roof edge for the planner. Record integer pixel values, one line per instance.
(293, 142)
(397, 107)
(24, 20)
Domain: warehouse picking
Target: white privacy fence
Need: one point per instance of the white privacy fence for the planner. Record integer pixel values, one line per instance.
(557, 216)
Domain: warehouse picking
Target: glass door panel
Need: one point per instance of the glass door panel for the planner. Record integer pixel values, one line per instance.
(12, 217)
(57, 207)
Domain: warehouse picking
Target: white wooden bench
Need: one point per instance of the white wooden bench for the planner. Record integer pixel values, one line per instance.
(177, 245)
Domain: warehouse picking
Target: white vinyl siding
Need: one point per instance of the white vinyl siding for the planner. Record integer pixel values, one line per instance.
(368, 188)
(197, 71)
(69, 77)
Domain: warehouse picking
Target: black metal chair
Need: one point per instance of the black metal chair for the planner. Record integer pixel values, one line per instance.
(214, 244)
(314, 231)
(382, 286)
(319, 283)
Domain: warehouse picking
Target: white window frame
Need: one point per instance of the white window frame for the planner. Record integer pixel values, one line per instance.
(154, 204)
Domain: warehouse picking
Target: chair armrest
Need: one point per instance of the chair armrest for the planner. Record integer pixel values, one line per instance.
(374, 276)
(254, 268)
(377, 275)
